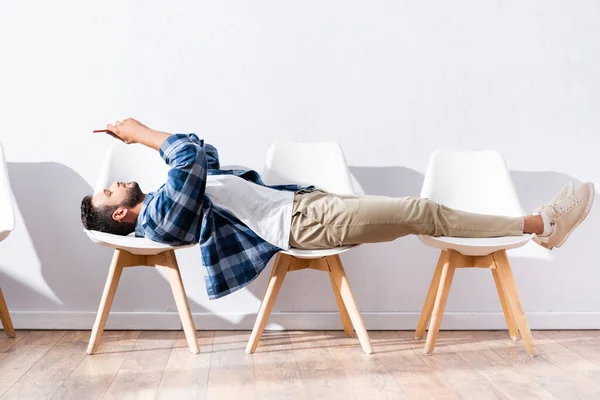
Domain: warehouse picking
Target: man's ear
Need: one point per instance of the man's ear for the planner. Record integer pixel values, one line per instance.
(119, 214)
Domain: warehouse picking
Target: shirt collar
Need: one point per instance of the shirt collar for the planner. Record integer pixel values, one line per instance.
(139, 223)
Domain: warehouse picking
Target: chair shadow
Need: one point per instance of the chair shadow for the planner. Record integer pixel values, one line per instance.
(28, 297)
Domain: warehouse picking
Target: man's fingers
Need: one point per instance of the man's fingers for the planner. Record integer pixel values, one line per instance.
(115, 136)
(110, 130)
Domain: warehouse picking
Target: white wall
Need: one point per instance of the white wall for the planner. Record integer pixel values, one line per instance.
(389, 80)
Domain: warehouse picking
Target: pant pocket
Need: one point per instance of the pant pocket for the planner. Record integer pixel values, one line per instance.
(334, 211)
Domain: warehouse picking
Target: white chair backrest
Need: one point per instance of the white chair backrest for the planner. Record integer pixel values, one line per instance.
(7, 215)
(320, 164)
(133, 162)
(475, 181)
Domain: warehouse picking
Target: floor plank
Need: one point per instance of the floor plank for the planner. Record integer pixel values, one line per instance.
(323, 376)
(17, 360)
(231, 369)
(411, 373)
(583, 343)
(299, 365)
(186, 374)
(465, 381)
(94, 374)
(497, 370)
(368, 376)
(276, 371)
(7, 342)
(561, 356)
(52, 369)
(555, 380)
(143, 368)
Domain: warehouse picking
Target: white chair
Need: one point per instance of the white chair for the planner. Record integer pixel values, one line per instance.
(479, 182)
(322, 165)
(7, 224)
(137, 163)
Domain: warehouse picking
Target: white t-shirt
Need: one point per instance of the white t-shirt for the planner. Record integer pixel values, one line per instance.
(268, 212)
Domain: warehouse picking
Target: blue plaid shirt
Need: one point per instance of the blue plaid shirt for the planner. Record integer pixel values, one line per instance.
(180, 213)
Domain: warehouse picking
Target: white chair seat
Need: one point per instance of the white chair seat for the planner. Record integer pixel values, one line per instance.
(475, 246)
(310, 254)
(131, 244)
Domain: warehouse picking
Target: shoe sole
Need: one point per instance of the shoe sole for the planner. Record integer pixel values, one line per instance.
(588, 207)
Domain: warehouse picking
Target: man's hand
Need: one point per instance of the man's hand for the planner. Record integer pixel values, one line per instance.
(129, 130)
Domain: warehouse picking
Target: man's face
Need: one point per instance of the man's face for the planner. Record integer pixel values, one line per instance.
(118, 193)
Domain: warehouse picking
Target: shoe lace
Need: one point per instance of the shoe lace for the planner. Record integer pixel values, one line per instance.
(565, 205)
(569, 187)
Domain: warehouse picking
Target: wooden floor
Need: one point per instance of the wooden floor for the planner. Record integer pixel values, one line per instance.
(299, 365)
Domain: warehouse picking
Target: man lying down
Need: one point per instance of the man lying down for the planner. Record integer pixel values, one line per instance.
(240, 222)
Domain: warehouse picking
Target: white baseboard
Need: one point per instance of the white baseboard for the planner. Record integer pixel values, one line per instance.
(297, 320)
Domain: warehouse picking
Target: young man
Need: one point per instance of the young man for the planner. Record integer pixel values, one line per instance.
(240, 223)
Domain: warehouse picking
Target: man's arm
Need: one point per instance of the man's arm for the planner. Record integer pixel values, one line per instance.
(132, 131)
(174, 214)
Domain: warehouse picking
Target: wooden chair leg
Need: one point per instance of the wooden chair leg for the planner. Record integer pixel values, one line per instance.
(5, 317)
(280, 268)
(440, 302)
(114, 274)
(430, 298)
(510, 321)
(514, 300)
(346, 322)
(341, 281)
(168, 262)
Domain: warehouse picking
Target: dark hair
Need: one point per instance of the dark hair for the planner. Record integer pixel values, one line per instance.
(100, 219)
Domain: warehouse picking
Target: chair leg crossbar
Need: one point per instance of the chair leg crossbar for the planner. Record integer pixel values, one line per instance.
(433, 309)
(165, 261)
(284, 263)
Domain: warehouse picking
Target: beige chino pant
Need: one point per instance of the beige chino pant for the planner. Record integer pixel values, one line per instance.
(323, 220)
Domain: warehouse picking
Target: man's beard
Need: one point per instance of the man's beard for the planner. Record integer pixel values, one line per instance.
(134, 196)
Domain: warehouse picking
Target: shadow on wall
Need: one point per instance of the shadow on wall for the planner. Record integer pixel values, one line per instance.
(48, 196)
(18, 293)
(394, 276)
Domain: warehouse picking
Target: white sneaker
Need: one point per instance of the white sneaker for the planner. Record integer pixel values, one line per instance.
(566, 190)
(566, 214)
